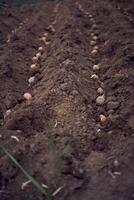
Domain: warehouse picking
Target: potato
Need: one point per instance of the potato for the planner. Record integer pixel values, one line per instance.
(96, 67)
(33, 66)
(96, 47)
(95, 77)
(43, 39)
(38, 55)
(31, 79)
(7, 113)
(51, 28)
(90, 16)
(34, 59)
(100, 100)
(94, 51)
(27, 96)
(92, 20)
(46, 34)
(54, 22)
(41, 49)
(103, 119)
(94, 26)
(95, 37)
(100, 90)
(92, 43)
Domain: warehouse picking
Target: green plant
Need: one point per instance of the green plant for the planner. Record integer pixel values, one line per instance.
(53, 151)
(45, 192)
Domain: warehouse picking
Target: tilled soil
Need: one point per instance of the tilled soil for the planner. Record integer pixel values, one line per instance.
(94, 143)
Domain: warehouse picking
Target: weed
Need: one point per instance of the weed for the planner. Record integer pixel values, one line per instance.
(53, 151)
(33, 181)
(45, 191)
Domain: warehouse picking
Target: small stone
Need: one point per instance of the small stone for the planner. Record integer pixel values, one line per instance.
(98, 130)
(100, 100)
(19, 131)
(110, 132)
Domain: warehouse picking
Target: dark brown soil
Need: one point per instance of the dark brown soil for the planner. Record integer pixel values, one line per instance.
(96, 160)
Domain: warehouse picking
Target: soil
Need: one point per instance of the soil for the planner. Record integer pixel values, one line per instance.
(95, 158)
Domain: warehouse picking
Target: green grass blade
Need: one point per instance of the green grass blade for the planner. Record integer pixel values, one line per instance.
(52, 148)
(34, 182)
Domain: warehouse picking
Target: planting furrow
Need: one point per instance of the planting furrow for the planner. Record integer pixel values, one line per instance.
(116, 69)
(15, 62)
